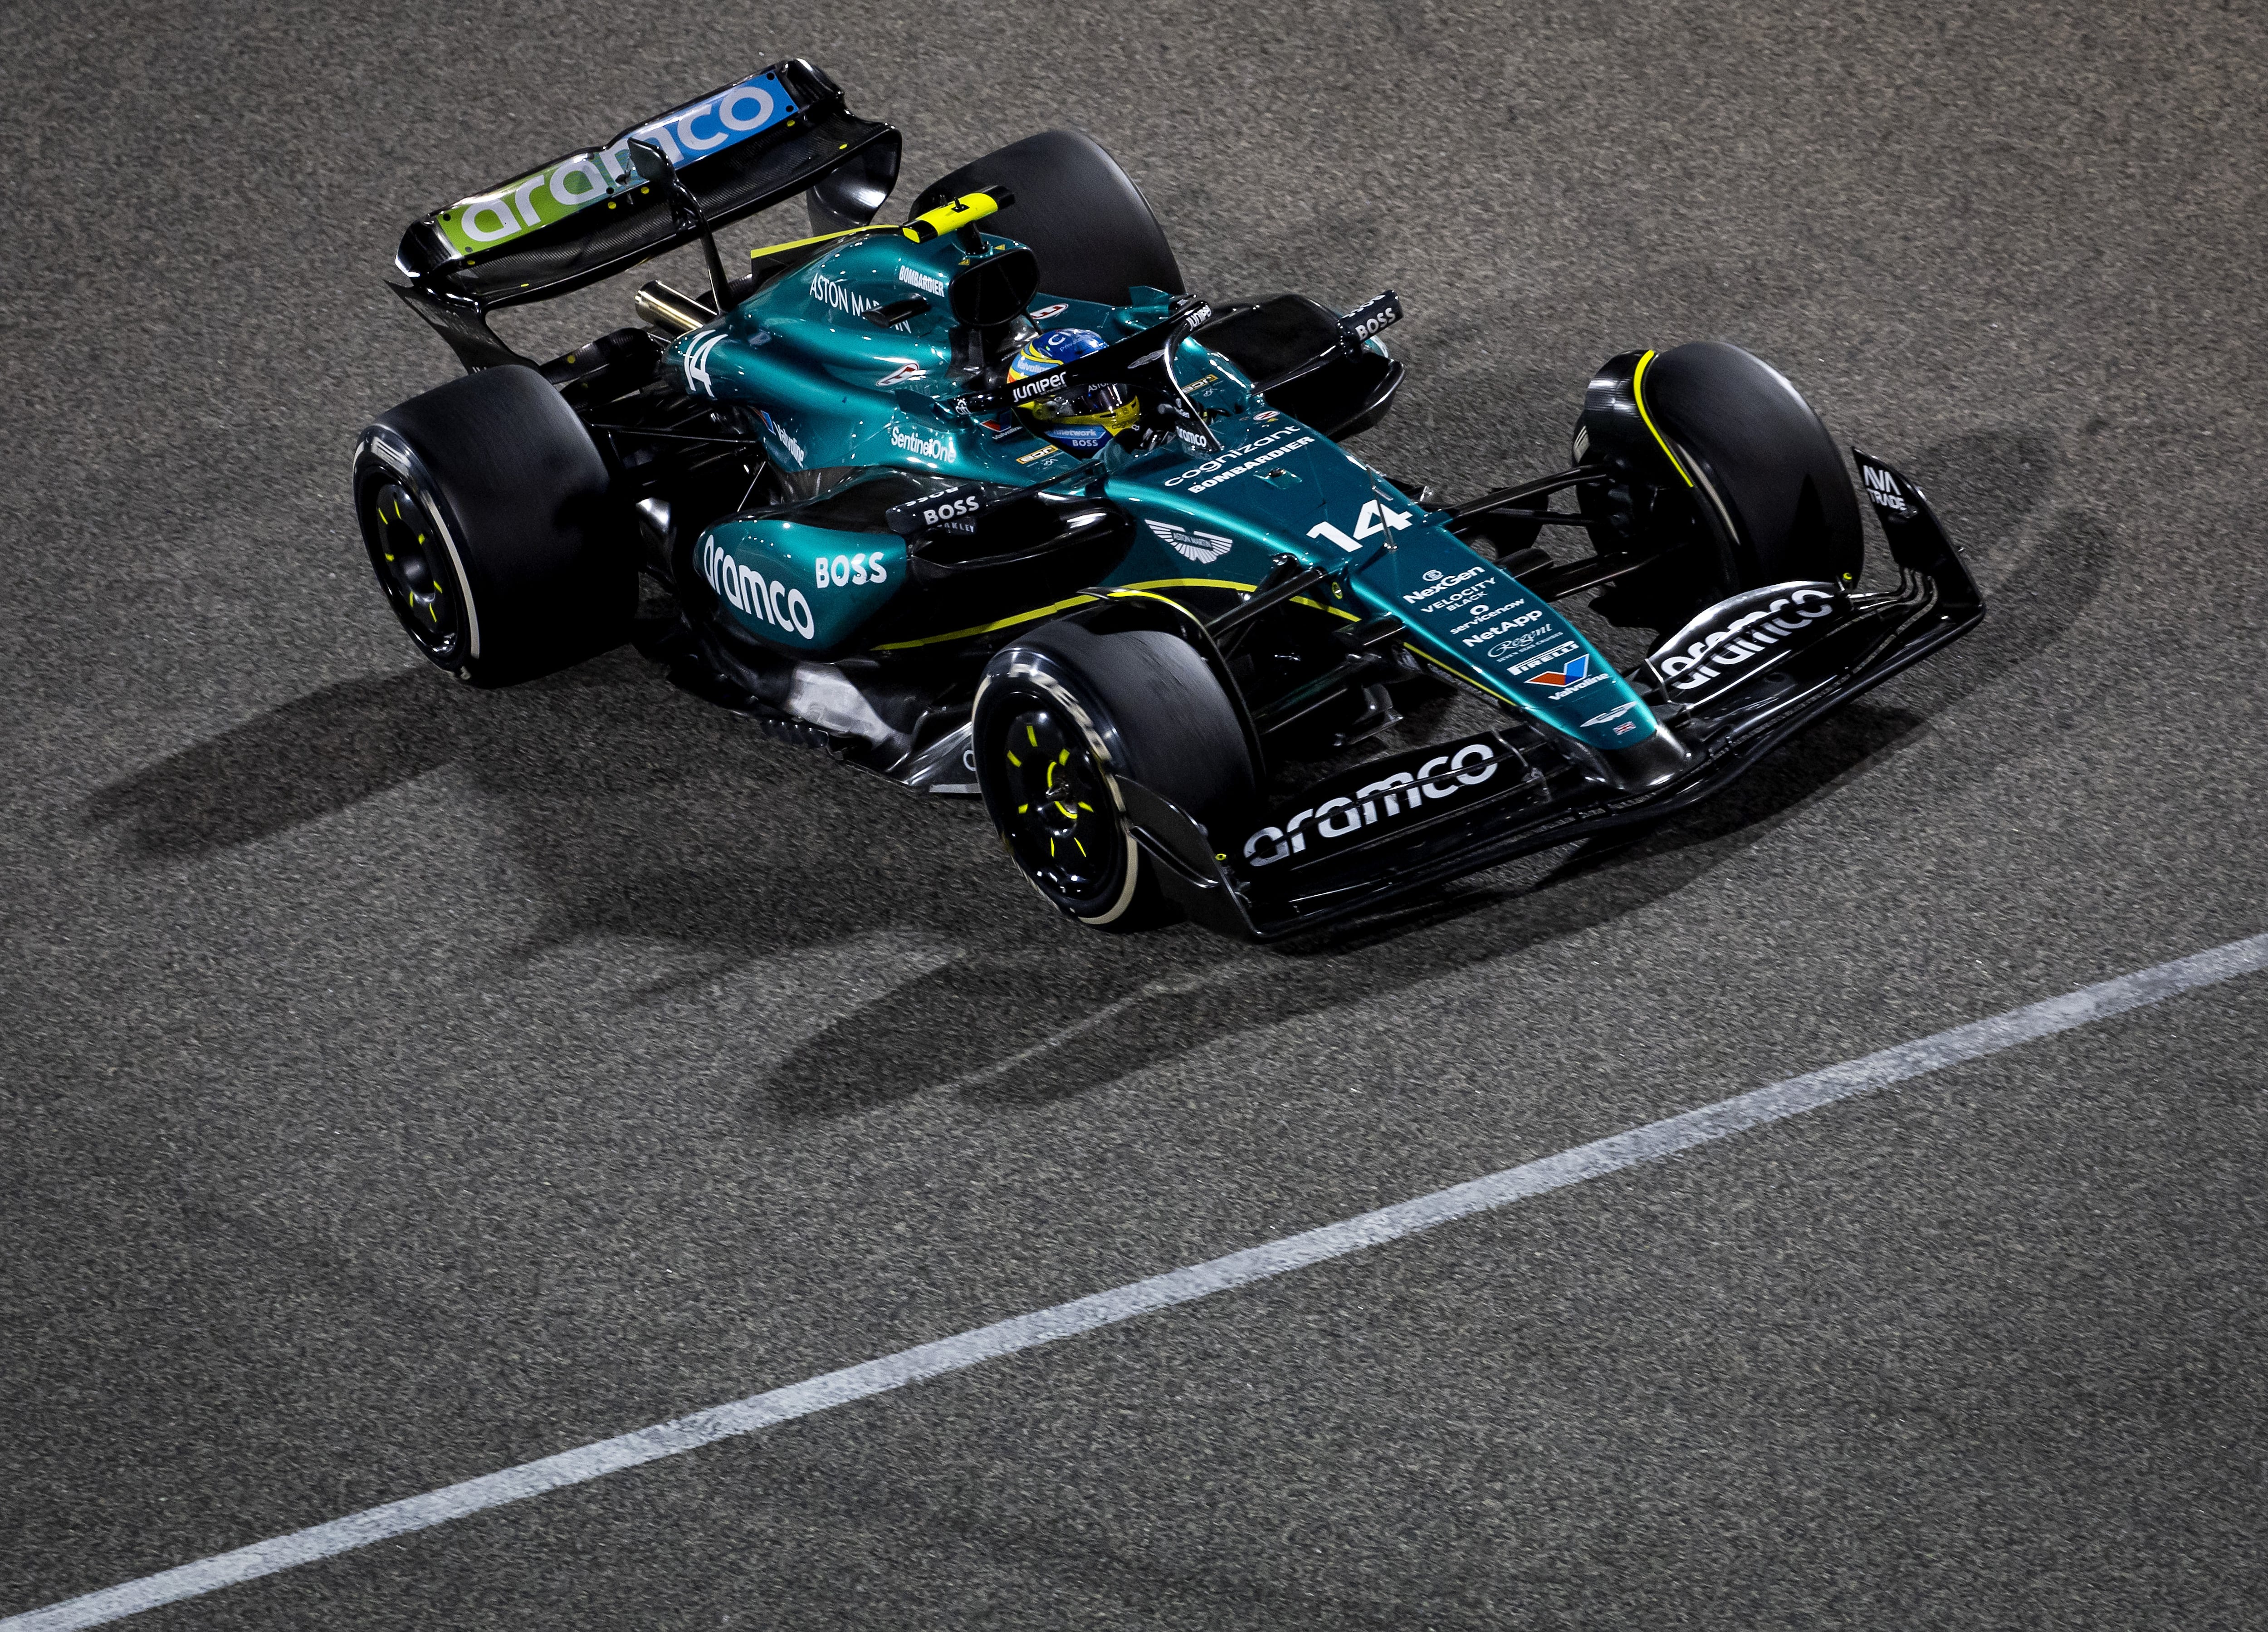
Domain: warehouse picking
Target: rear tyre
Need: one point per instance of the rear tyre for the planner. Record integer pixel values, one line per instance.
(1092, 231)
(487, 513)
(1060, 716)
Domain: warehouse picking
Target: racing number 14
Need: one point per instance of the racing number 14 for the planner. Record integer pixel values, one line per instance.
(1374, 520)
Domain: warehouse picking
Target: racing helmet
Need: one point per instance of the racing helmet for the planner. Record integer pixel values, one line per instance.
(1084, 417)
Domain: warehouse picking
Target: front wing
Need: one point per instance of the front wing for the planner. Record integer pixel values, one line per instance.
(1408, 821)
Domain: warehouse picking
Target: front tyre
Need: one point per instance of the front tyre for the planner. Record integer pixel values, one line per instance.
(1063, 714)
(488, 515)
(1718, 455)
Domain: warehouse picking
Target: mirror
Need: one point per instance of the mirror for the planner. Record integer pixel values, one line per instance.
(994, 289)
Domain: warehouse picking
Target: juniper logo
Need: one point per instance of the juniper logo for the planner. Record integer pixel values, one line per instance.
(684, 134)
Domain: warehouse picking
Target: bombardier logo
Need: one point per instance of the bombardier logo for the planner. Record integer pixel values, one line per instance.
(928, 283)
(1224, 467)
(1401, 793)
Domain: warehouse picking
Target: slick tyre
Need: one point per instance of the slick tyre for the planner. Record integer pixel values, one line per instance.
(1060, 716)
(1767, 476)
(1092, 231)
(489, 518)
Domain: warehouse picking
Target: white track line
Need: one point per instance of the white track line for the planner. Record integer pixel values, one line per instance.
(1650, 1143)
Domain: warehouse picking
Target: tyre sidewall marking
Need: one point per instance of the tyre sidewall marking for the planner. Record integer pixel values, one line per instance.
(391, 450)
(1026, 668)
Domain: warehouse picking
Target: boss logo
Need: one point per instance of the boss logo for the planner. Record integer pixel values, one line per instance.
(951, 510)
(932, 515)
(1371, 316)
(836, 571)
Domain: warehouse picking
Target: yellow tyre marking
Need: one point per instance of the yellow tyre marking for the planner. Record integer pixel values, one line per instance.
(1637, 379)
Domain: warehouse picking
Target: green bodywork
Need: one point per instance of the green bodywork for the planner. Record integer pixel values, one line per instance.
(831, 389)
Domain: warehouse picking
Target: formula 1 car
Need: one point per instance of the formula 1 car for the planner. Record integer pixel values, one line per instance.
(986, 503)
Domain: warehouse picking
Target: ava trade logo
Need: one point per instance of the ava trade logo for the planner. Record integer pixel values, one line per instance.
(553, 194)
(1567, 676)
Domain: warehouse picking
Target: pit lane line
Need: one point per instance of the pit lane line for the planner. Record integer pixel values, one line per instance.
(1651, 1142)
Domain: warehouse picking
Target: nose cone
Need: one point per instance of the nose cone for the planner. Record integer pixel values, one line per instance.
(1658, 760)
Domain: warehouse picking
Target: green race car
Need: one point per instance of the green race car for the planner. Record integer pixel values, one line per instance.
(986, 504)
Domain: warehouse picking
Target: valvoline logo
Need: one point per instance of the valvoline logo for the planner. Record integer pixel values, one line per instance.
(1566, 677)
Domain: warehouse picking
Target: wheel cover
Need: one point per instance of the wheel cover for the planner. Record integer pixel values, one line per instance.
(413, 568)
(1059, 818)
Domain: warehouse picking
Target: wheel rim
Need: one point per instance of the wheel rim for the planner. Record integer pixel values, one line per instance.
(1059, 818)
(413, 569)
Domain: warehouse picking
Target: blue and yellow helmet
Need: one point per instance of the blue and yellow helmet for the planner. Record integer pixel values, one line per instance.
(1085, 417)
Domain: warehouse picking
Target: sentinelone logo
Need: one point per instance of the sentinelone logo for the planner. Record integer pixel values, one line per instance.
(694, 131)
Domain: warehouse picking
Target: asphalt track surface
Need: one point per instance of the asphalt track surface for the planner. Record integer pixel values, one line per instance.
(403, 1082)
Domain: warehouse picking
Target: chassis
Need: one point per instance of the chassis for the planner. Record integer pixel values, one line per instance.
(822, 461)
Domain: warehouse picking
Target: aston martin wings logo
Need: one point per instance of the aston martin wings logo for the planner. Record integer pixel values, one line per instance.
(1202, 547)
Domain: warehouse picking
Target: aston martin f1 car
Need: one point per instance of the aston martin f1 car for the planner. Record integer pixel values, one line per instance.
(986, 503)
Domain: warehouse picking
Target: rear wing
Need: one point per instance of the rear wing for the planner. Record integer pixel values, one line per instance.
(590, 214)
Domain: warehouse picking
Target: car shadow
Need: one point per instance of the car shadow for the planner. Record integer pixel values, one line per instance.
(640, 813)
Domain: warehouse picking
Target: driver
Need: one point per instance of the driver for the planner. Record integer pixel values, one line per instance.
(1085, 417)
